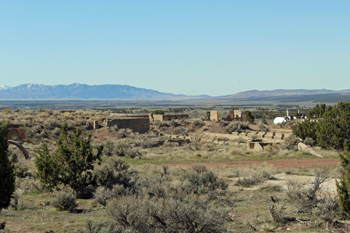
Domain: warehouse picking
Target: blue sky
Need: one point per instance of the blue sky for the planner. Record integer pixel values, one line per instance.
(183, 47)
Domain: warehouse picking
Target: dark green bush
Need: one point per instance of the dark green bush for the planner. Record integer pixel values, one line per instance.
(7, 176)
(330, 131)
(158, 112)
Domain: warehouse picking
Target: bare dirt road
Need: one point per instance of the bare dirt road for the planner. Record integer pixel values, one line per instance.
(308, 162)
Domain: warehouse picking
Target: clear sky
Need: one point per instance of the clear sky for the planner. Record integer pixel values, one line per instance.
(180, 46)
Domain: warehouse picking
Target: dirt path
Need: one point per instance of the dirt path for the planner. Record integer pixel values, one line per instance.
(276, 162)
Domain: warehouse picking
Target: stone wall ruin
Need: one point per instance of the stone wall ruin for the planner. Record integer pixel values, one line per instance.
(235, 115)
(140, 125)
(167, 117)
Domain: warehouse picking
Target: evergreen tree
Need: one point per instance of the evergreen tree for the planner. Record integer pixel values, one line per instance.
(330, 131)
(248, 116)
(305, 129)
(47, 170)
(158, 112)
(343, 186)
(334, 129)
(7, 177)
(71, 164)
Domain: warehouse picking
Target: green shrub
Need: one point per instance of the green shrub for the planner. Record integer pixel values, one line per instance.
(150, 142)
(64, 201)
(263, 128)
(108, 147)
(291, 142)
(198, 124)
(236, 126)
(205, 179)
(174, 123)
(99, 226)
(248, 181)
(102, 195)
(116, 172)
(343, 185)
(309, 141)
(123, 149)
(181, 131)
(255, 175)
(166, 215)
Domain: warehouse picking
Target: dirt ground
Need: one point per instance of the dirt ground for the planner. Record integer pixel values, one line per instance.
(307, 162)
(282, 180)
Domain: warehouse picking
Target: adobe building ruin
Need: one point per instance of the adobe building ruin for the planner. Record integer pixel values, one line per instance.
(234, 115)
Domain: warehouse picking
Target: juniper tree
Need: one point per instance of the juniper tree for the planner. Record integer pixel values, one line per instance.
(330, 131)
(71, 164)
(158, 112)
(47, 170)
(343, 186)
(248, 116)
(334, 129)
(7, 177)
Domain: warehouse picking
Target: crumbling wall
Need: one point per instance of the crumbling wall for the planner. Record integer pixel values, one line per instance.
(168, 117)
(214, 116)
(96, 125)
(235, 115)
(122, 115)
(157, 117)
(140, 125)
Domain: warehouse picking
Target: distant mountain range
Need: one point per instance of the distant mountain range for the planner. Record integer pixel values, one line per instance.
(286, 95)
(124, 92)
(82, 91)
(278, 92)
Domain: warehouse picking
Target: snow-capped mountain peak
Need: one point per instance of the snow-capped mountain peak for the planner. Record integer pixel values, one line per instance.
(4, 87)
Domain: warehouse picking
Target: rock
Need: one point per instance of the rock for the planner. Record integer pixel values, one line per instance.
(302, 146)
(307, 150)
